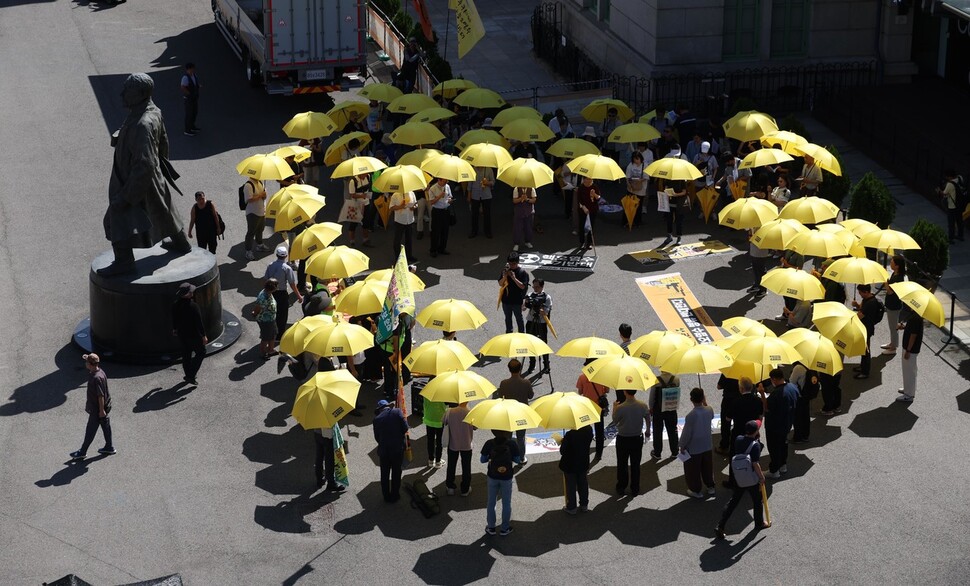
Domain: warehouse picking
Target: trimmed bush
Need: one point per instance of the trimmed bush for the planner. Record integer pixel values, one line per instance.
(934, 253)
(870, 200)
(833, 187)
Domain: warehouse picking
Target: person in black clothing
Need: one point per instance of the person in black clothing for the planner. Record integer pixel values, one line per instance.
(190, 95)
(205, 219)
(539, 304)
(187, 325)
(912, 344)
(780, 415)
(749, 407)
(741, 445)
(730, 393)
(868, 311)
(514, 280)
(831, 387)
(574, 463)
(97, 406)
(390, 432)
(892, 303)
(663, 419)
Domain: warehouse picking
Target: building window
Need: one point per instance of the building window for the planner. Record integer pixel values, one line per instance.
(599, 8)
(742, 29)
(591, 5)
(789, 28)
(605, 11)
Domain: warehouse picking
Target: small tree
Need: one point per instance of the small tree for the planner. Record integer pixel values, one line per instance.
(934, 253)
(871, 200)
(834, 187)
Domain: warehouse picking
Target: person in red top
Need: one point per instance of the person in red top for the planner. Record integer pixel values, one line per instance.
(595, 393)
(589, 204)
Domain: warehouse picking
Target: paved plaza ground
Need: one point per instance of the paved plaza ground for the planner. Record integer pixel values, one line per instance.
(217, 483)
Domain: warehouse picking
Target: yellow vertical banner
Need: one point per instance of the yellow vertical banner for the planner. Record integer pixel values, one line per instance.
(470, 28)
(452, 4)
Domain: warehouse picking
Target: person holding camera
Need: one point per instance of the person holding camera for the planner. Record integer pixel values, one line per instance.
(513, 282)
(539, 304)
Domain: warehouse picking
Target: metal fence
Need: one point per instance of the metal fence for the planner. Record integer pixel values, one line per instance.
(392, 41)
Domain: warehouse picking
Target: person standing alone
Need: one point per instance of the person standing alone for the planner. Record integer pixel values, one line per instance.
(97, 406)
(912, 344)
(188, 327)
(629, 417)
(190, 95)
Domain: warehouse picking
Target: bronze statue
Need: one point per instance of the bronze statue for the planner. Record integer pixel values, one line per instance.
(140, 212)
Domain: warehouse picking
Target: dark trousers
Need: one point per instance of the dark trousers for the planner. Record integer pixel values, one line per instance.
(391, 474)
(191, 112)
(629, 453)
(675, 219)
(757, 269)
(831, 391)
(865, 364)
(390, 378)
(466, 469)
(699, 469)
(439, 230)
(777, 441)
(403, 234)
(513, 309)
(803, 419)
(323, 464)
(207, 241)
(541, 331)
(254, 230)
(434, 442)
(576, 483)
(370, 216)
(755, 493)
(193, 353)
(94, 422)
(599, 437)
(482, 207)
(954, 223)
(282, 308)
(659, 421)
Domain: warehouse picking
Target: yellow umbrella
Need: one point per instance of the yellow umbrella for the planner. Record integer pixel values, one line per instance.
(590, 347)
(850, 240)
(325, 399)
(809, 210)
(451, 315)
(707, 197)
(858, 271)
(859, 227)
(741, 369)
(596, 167)
(819, 243)
(479, 98)
(748, 126)
(439, 356)
(415, 133)
(818, 352)
(656, 347)
(342, 111)
(481, 135)
(790, 282)
(633, 132)
(566, 411)
(452, 87)
(383, 208)
(313, 239)
(338, 339)
(514, 113)
(358, 165)
(418, 156)
(502, 414)
(411, 104)
(698, 359)
(763, 157)
(385, 275)
(298, 210)
(401, 178)
(823, 158)
(486, 155)
(672, 169)
(281, 197)
(432, 115)
(525, 173)
(747, 212)
(264, 167)
(768, 351)
(889, 240)
(334, 153)
(458, 386)
(631, 207)
(380, 92)
(621, 372)
(745, 326)
(921, 300)
(362, 298)
(597, 110)
(527, 130)
(776, 234)
(309, 125)
(648, 117)
(515, 345)
(449, 167)
(293, 340)
(570, 148)
(784, 140)
(841, 325)
(298, 153)
(336, 262)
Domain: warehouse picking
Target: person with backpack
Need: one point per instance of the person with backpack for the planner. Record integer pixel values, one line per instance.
(870, 311)
(955, 199)
(747, 470)
(779, 418)
(501, 455)
(574, 463)
(698, 446)
(663, 400)
(809, 386)
(749, 406)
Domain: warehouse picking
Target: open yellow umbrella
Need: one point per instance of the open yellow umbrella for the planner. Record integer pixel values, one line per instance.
(631, 207)
(672, 169)
(415, 133)
(457, 386)
(818, 352)
(298, 153)
(358, 165)
(342, 111)
(858, 271)
(621, 372)
(527, 130)
(401, 178)
(479, 98)
(385, 275)
(921, 300)
(566, 411)
(596, 167)
(590, 347)
(850, 240)
(764, 350)
(742, 369)
(654, 348)
(452, 87)
(747, 212)
(525, 173)
(449, 167)
(748, 126)
(859, 227)
(889, 240)
(380, 92)
(707, 197)
(451, 315)
(597, 110)
(362, 298)
(298, 210)
(417, 157)
(503, 415)
(841, 325)
(336, 262)
(570, 148)
(633, 132)
(264, 167)
(698, 359)
(515, 345)
(325, 399)
(820, 243)
(776, 234)
(439, 356)
(309, 125)
(313, 239)
(283, 196)
(784, 140)
(339, 339)
(745, 326)
(791, 282)
(763, 157)
(514, 113)
(334, 153)
(481, 135)
(411, 104)
(293, 340)
(383, 209)
(486, 155)
(809, 210)
(432, 115)
(823, 158)
(648, 117)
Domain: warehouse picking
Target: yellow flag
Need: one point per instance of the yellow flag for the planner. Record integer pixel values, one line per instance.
(452, 4)
(470, 28)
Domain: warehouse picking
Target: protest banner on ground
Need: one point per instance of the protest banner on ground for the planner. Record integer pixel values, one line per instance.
(677, 308)
(682, 251)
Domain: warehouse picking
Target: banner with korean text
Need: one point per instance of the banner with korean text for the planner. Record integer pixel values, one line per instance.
(678, 309)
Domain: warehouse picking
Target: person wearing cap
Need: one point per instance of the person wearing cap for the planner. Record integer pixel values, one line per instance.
(188, 327)
(589, 135)
(205, 219)
(390, 432)
(513, 281)
(780, 195)
(265, 312)
(284, 274)
(97, 406)
(706, 163)
(810, 178)
(697, 443)
(741, 445)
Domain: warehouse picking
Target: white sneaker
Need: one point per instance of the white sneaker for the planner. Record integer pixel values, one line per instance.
(887, 346)
(528, 245)
(250, 255)
(430, 463)
(262, 248)
(439, 464)
(467, 492)
(696, 495)
(889, 352)
(772, 474)
(515, 248)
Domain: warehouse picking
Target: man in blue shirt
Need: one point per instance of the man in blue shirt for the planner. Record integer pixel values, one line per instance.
(780, 416)
(390, 429)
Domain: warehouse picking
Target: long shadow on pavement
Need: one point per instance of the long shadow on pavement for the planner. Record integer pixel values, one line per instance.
(72, 470)
(884, 422)
(723, 555)
(395, 520)
(159, 398)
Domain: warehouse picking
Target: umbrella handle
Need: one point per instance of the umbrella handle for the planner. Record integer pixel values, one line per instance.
(764, 501)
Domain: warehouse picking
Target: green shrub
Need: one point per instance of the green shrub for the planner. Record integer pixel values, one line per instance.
(793, 124)
(871, 200)
(743, 104)
(934, 253)
(833, 187)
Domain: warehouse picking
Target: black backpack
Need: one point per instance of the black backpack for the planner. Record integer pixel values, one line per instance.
(811, 386)
(880, 312)
(963, 197)
(500, 462)
(422, 498)
(242, 195)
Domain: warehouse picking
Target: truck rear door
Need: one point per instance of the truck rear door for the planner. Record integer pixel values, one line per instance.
(314, 32)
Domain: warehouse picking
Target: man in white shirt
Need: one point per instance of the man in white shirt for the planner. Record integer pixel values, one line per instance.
(255, 195)
(439, 198)
(403, 206)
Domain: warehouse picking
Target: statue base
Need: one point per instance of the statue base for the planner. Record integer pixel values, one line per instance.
(131, 314)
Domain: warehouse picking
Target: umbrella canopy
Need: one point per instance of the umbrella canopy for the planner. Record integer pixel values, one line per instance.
(486, 155)
(859, 227)
(439, 356)
(310, 125)
(763, 157)
(449, 167)
(527, 130)
(791, 282)
(596, 167)
(503, 415)
(818, 352)
(298, 210)
(515, 345)
(411, 104)
(417, 157)
(764, 350)
(784, 140)
(458, 386)
(820, 243)
(889, 240)
(570, 148)
(745, 326)
(481, 135)
(740, 369)
(380, 92)
(633, 132)
(432, 115)
(590, 347)
(385, 275)
(776, 234)
(621, 372)
(281, 197)
(514, 113)
(597, 110)
(293, 339)
(451, 315)
(698, 359)
(858, 271)
(342, 112)
(673, 170)
(656, 347)
(335, 152)
(298, 153)
(823, 158)
(338, 339)
(401, 178)
(479, 98)
(264, 167)
(362, 298)
(337, 262)
(748, 126)
(921, 300)
(525, 173)
(313, 239)
(325, 399)
(809, 210)
(358, 165)
(566, 411)
(452, 87)
(747, 212)
(850, 240)
(842, 326)
(415, 133)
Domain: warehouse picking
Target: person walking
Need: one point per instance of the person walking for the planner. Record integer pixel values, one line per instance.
(870, 312)
(190, 96)
(513, 281)
(912, 344)
(574, 463)
(255, 195)
(433, 414)
(97, 406)
(284, 274)
(749, 406)
(892, 303)
(523, 210)
(480, 200)
(539, 304)
(188, 327)
(500, 454)
(697, 445)
(598, 394)
(323, 462)
(390, 429)
(265, 312)
(205, 219)
(629, 418)
(403, 206)
(747, 444)
(779, 418)
(664, 395)
(517, 388)
(440, 199)
(460, 436)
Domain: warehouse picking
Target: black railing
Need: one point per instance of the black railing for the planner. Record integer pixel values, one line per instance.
(565, 57)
